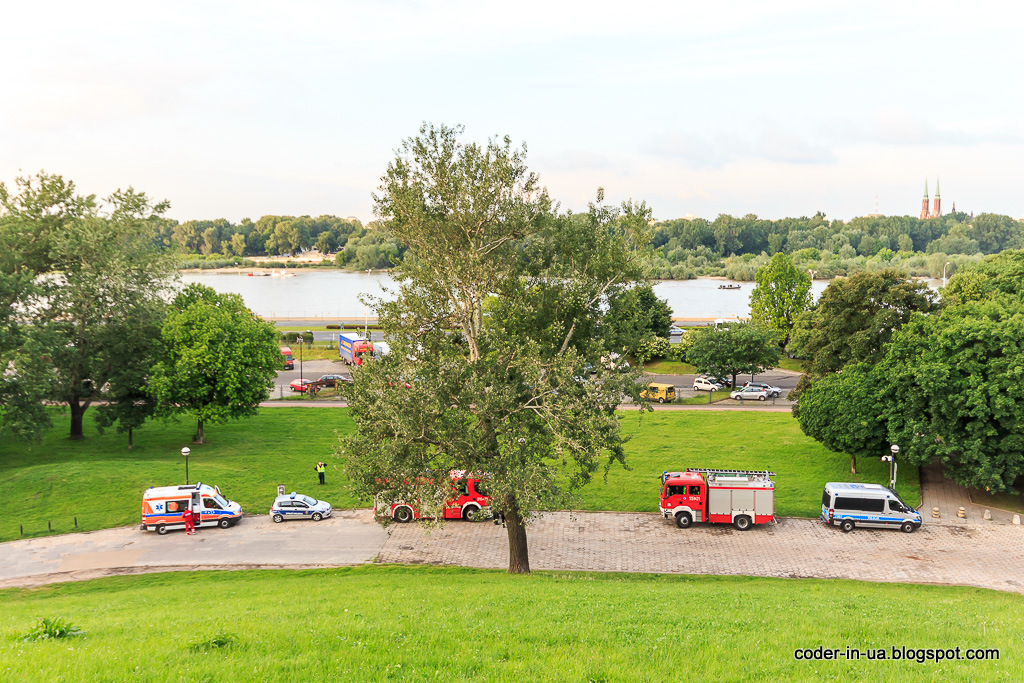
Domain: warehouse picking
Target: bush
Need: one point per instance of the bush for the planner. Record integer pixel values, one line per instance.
(53, 628)
(654, 347)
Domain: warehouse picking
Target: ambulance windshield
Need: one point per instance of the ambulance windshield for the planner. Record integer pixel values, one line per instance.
(223, 503)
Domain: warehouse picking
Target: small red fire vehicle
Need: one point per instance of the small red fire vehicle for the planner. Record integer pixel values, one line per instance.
(740, 497)
(468, 497)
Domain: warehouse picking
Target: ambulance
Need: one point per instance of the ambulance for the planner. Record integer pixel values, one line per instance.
(162, 507)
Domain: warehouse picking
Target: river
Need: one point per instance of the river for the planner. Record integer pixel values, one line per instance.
(317, 293)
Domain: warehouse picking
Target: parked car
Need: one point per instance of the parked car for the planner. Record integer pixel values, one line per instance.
(750, 393)
(333, 380)
(724, 381)
(659, 392)
(773, 392)
(300, 385)
(705, 384)
(297, 506)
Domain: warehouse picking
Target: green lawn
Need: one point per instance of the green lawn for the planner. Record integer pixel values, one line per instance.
(100, 482)
(669, 367)
(793, 364)
(427, 623)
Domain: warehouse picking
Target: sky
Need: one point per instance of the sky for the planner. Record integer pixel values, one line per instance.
(241, 109)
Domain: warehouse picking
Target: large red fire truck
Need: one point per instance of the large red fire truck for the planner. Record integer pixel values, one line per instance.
(468, 497)
(740, 497)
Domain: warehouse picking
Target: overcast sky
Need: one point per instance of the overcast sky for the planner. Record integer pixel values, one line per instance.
(235, 109)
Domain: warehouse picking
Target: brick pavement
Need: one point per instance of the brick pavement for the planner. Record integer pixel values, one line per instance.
(948, 496)
(985, 556)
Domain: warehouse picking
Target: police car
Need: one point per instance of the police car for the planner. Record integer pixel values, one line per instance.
(297, 506)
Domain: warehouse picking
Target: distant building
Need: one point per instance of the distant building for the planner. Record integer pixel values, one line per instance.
(936, 209)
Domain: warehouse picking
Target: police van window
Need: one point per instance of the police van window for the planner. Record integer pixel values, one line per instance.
(694, 490)
(826, 498)
(896, 506)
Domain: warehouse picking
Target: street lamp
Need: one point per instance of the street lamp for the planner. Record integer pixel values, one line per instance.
(185, 451)
(891, 459)
(948, 263)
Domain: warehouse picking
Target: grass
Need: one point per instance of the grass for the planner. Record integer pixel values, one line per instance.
(702, 398)
(793, 364)
(669, 367)
(318, 351)
(100, 482)
(426, 623)
(1003, 501)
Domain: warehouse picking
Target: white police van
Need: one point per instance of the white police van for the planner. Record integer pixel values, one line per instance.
(297, 506)
(868, 505)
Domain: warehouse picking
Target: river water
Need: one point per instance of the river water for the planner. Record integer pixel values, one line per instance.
(335, 293)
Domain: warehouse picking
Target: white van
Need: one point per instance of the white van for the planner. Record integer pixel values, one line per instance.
(868, 505)
(162, 507)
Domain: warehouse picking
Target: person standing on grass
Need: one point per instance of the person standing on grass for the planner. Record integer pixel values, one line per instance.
(187, 515)
(321, 469)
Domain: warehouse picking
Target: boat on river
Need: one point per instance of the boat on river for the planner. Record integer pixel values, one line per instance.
(729, 286)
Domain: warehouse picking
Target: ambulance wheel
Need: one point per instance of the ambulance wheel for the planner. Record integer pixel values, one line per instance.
(846, 525)
(403, 515)
(224, 523)
(908, 527)
(742, 522)
(683, 520)
(161, 529)
(317, 517)
(279, 518)
(469, 514)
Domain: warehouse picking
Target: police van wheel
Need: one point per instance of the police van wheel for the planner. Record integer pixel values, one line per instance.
(278, 518)
(683, 520)
(161, 529)
(317, 517)
(224, 523)
(908, 527)
(846, 525)
(403, 515)
(742, 522)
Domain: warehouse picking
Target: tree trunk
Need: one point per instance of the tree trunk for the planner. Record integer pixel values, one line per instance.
(77, 412)
(853, 464)
(518, 552)
(200, 438)
(130, 444)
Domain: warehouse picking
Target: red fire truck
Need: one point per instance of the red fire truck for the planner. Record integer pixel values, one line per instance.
(468, 497)
(740, 497)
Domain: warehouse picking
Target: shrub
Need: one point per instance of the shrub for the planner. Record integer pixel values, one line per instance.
(53, 627)
(219, 640)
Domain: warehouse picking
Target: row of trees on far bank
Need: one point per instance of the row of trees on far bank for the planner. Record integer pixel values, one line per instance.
(85, 318)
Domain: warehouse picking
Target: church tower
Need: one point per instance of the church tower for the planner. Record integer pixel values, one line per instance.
(924, 202)
(937, 203)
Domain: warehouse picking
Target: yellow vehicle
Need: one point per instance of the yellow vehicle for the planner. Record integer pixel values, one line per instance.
(661, 393)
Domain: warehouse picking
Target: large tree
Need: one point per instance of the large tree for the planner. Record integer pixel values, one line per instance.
(499, 313)
(739, 349)
(101, 270)
(783, 291)
(217, 361)
(854, 319)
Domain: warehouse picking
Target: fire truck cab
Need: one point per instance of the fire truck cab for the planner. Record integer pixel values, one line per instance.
(740, 497)
(467, 498)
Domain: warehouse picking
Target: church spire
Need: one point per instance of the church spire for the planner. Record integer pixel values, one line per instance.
(936, 187)
(926, 189)
(924, 202)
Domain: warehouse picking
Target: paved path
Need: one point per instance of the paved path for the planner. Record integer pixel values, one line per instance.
(349, 537)
(989, 557)
(949, 497)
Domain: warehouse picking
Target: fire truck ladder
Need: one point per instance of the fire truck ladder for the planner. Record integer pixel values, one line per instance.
(763, 474)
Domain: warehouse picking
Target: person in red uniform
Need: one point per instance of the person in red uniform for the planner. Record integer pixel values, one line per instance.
(189, 521)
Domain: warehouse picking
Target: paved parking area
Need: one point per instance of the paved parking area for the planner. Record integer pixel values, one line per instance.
(984, 556)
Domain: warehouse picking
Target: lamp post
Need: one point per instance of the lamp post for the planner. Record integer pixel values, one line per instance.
(891, 459)
(948, 263)
(185, 451)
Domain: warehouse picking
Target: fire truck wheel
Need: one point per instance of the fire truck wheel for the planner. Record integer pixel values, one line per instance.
(846, 525)
(742, 522)
(161, 529)
(224, 523)
(908, 527)
(683, 520)
(316, 517)
(403, 515)
(278, 518)
(469, 514)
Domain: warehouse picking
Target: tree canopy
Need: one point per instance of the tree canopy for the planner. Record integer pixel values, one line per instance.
(783, 292)
(738, 349)
(217, 359)
(510, 393)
